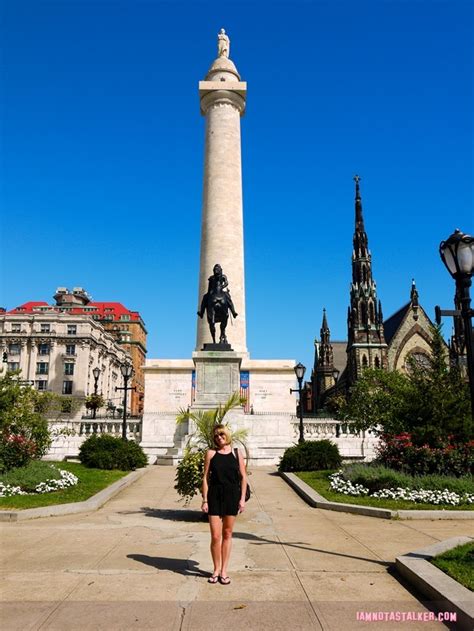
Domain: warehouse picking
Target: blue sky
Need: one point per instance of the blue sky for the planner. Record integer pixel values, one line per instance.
(102, 155)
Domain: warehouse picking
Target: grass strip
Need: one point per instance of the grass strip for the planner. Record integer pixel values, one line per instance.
(91, 481)
(318, 480)
(458, 563)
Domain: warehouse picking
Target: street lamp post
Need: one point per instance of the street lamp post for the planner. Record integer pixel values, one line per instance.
(457, 253)
(127, 371)
(96, 373)
(299, 372)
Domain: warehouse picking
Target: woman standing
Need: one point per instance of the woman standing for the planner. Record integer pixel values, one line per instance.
(223, 497)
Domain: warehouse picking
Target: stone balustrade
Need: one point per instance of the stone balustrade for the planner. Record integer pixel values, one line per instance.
(69, 435)
(352, 444)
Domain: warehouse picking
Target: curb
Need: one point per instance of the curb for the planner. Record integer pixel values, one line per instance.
(93, 503)
(318, 501)
(450, 595)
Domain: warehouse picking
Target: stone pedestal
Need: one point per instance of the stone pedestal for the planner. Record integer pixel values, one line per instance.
(217, 377)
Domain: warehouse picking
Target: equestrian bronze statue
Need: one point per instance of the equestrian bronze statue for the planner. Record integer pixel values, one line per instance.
(217, 303)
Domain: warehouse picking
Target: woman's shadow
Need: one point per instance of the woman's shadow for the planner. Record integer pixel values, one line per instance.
(180, 566)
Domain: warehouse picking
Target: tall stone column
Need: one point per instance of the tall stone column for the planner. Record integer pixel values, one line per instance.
(222, 96)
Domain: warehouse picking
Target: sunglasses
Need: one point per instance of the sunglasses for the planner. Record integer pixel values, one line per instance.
(220, 435)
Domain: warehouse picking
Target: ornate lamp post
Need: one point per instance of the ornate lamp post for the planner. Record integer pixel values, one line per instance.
(457, 253)
(127, 372)
(299, 372)
(96, 373)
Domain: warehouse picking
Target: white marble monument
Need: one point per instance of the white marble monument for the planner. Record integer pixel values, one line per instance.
(212, 375)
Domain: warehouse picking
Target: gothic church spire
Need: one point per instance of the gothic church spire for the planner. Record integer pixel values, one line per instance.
(366, 347)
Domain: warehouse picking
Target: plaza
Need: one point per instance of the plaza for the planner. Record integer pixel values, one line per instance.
(142, 562)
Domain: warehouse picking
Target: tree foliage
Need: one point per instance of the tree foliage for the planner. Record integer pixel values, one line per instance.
(431, 401)
(94, 401)
(24, 430)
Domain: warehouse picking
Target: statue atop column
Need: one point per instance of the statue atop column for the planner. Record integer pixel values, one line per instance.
(217, 302)
(223, 44)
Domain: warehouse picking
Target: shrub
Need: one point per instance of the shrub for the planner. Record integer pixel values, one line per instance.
(189, 474)
(316, 455)
(15, 451)
(108, 452)
(401, 454)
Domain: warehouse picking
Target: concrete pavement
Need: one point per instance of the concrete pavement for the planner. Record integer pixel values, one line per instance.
(142, 562)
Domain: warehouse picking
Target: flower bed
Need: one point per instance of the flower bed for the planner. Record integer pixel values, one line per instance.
(66, 480)
(439, 497)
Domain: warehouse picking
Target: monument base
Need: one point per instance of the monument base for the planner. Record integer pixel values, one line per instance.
(208, 380)
(217, 376)
(217, 347)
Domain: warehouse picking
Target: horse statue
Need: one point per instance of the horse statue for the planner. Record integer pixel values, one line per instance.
(217, 303)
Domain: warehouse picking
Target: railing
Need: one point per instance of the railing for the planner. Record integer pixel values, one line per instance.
(88, 426)
(314, 428)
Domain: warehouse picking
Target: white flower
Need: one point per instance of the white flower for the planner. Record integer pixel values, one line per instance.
(67, 479)
(339, 484)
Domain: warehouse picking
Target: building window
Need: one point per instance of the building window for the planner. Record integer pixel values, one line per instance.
(71, 329)
(14, 349)
(11, 366)
(45, 328)
(417, 360)
(16, 328)
(41, 385)
(43, 349)
(125, 317)
(70, 349)
(69, 369)
(67, 387)
(42, 368)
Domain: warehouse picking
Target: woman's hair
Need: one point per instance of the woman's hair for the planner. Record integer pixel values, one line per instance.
(224, 429)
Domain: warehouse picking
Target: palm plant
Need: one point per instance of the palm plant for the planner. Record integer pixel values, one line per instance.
(190, 470)
(206, 420)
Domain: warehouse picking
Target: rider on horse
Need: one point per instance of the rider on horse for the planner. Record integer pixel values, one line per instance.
(217, 284)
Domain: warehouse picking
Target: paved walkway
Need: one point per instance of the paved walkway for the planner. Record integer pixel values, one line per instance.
(142, 562)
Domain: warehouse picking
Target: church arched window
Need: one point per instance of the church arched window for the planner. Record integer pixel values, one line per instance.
(365, 363)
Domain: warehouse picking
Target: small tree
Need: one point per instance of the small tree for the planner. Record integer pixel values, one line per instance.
(441, 405)
(430, 402)
(379, 401)
(24, 432)
(94, 402)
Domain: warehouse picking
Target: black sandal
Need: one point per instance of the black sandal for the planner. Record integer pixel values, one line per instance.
(224, 580)
(213, 579)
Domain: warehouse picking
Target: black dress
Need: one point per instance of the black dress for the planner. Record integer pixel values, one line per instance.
(223, 494)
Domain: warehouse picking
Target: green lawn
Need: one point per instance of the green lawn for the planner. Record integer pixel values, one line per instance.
(318, 480)
(458, 563)
(91, 481)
